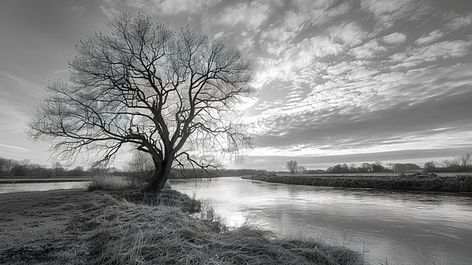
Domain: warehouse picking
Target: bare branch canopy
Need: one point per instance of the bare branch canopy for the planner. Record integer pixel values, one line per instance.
(169, 93)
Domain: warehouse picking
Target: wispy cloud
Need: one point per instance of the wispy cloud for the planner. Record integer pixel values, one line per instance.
(14, 147)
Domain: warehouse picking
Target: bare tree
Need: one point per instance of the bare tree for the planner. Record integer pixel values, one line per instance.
(170, 94)
(464, 159)
(292, 166)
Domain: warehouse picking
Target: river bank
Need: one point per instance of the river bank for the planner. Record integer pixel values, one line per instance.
(83, 227)
(419, 182)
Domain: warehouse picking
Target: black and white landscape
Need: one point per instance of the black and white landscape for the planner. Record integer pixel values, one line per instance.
(235, 132)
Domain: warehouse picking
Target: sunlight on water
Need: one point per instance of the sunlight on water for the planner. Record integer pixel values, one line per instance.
(21, 187)
(401, 228)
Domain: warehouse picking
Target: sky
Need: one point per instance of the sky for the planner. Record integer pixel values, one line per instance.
(336, 81)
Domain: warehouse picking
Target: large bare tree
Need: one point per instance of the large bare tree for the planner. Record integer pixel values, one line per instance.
(169, 93)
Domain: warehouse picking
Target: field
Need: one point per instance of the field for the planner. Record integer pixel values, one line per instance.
(425, 182)
(84, 227)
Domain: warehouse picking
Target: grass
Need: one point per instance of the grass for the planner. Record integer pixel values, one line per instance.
(418, 182)
(81, 227)
(108, 183)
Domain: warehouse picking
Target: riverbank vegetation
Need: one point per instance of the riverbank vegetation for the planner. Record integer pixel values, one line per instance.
(418, 182)
(139, 169)
(123, 227)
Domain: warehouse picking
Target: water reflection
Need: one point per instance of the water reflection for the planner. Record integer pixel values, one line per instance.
(21, 187)
(402, 228)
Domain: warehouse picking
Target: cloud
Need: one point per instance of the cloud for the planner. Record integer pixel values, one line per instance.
(368, 50)
(394, 38)
(349, 34)
(295, 58)
(398, 127)
(459, 22)
(386, 11)
(430, 37)
(251, 14)
(433, 52)
(166, 7)
(384, 7)
(17, 148)
(189, 6)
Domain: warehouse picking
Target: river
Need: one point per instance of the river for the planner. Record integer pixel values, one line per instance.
(24, 187)
(387, 227)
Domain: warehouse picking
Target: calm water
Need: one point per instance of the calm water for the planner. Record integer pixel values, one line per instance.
(19, 187)
(393, 227)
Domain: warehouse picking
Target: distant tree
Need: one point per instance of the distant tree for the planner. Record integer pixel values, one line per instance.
(18, 170)
(3, 163)
(377, 167)
(170, 94)
(353, 168)
(464, 159)
(429, 166)
(451, 165)
(77, 171)
(367, 167)
(407, 167)
(58, 169)
(292, 166)
(301, 170)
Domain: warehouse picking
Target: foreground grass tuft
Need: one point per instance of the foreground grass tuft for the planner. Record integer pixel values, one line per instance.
(140, 234)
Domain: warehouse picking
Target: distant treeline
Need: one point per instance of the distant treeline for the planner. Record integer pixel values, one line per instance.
(460, 164)
(446, 166)
(11, 167)
(24, 168)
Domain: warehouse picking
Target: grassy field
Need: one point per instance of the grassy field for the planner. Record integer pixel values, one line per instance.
(459, 183)
(123, 227)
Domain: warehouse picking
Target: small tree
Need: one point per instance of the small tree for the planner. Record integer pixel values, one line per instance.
(141, 168)
(292, 166)
(301, 170)
(58, 169)
(429, 167)
(464, 159)
(169, 94)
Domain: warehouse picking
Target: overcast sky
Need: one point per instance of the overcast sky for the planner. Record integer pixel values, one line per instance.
(337, 81)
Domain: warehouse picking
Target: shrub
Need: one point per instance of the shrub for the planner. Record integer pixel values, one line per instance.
(108, 182)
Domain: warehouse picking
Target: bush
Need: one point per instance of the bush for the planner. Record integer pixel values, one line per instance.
(108, 182)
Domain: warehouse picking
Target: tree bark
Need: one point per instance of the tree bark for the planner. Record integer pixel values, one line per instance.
(159, 179)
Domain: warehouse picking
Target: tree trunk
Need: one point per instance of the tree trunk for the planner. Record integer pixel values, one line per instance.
(159, 179)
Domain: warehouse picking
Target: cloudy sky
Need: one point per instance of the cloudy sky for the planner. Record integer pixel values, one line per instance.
(337, 81)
